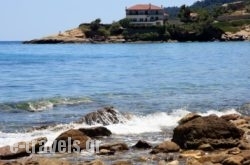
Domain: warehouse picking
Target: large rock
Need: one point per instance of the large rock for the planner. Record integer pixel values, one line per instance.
(166, 147)
(75, 140)
(22, 149)
(96, 131)
(105, 116)
(207, 130)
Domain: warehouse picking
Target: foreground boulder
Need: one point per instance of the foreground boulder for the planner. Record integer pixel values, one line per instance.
(105, 116)
(22, 149)
(96, 131)
(211, 130)
(70, 141)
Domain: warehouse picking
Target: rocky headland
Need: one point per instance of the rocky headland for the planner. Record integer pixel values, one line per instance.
(196, 140)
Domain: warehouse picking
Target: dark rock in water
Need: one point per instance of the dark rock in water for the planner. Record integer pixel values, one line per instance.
(69, 137)
(142, 145)
(105, 116)
(22, 149)
(207, 130)
(244, 109)
(96, 131)
(115, 147)
(188, 117)
(166, 147)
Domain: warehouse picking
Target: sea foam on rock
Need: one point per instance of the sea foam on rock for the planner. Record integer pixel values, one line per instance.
(207, 130)
(105, 116)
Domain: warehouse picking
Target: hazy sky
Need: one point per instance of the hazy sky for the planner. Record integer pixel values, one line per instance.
(29, 19)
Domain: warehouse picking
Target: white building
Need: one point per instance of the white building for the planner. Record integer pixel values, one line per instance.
(146, 15)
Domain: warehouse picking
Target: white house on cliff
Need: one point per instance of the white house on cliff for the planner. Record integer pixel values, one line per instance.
(146, 15)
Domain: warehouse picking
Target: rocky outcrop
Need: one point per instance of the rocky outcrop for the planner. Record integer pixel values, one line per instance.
(69, 36)
(105, 116)
(96, 131)
(75, 140)
(207, 130)
(22, 149)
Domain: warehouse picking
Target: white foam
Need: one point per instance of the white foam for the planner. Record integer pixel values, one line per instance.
(155, 122)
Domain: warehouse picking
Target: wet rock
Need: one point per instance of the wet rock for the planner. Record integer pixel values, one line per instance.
(45, 161)
(122, 162)
(75, 141)
(142, 145)
(207, 130)
(166, 147)
(192, 154)
(192, 161)
(10, 163)
(233, 160)
(234, 151)
(229, 117)
(244, 109)
(239, 122)
(95, 162)
(22, 149)
(188, 117)
(175, 162)
(206, 147)
(105, 152)
(115, 147)
(244, 145)
(245, 154)
(105, 116)
(96, 131)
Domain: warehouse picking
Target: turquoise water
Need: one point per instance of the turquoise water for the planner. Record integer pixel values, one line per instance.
(46, 84)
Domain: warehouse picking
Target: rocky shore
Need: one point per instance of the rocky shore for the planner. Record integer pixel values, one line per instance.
(77, 36)
(196, 140)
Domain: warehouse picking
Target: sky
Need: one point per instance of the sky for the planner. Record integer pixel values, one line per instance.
(29, 19)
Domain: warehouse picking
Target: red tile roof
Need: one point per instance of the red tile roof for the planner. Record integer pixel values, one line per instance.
(144, 7)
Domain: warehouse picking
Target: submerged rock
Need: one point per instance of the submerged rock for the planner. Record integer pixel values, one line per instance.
(75, 140)
(105, 116)
(22, 149)
(207, 130)
(96, 131)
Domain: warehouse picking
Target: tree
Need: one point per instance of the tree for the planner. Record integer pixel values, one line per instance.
(184, 13)
(115, 28)
(95, 25)
(124, 22)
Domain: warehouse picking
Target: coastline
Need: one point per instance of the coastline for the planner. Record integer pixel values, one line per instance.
(230, 143)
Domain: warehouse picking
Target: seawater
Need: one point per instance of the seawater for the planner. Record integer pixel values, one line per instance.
(157, 82)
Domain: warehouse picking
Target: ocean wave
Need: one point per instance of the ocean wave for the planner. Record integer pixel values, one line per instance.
(44, 104)
(135, 124)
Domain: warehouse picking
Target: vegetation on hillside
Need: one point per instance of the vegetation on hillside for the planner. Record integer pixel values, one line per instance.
(191, 23)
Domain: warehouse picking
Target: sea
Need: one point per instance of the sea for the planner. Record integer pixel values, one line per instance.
(156, 83)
